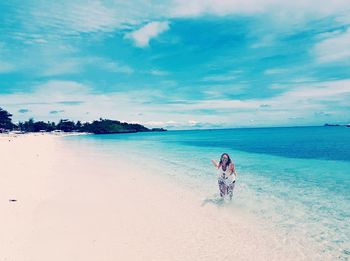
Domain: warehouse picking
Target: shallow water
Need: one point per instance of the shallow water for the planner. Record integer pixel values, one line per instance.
(296, 179)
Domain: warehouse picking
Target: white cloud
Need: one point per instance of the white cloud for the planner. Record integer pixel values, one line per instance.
(73, 65)
(143, 35)
(6, 67)
(156, 124)
(73, 17)
(224, 7)
(273, 71)
(283, 9)
(297, 97)
(264, 41)
(158, 72)
(44, 20)
(116, 67)
(343, 18)
(57, 91)
(302, 103)
(223, 77)
(219, 78)
(66, 66)
(334, 48)
(60, 95)
(192, 122)
(183, 124)
(324, 91)
(299, 103)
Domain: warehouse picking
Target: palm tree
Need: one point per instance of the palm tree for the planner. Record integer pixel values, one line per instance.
(5, 120)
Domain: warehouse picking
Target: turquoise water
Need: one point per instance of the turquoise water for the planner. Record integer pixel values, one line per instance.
(297, 179)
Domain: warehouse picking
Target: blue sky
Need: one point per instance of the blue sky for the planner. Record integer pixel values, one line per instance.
(177, 64)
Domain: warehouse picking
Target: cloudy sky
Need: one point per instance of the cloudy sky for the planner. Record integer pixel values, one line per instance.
(177, 64)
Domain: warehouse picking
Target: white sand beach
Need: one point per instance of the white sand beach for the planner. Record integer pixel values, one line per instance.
(58, 204)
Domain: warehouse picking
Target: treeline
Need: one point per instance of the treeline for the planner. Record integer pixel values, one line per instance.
(101, 126)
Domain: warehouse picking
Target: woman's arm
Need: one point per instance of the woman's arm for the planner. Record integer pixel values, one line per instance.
(215, 163)
(233, 170)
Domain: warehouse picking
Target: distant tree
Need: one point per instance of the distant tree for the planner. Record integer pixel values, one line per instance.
(28, 126)
(5, 120)
(32, 126)
(158, 129)
(66, 125)
(20, 126)
(42, 126)
(78, 126)
(53, 125)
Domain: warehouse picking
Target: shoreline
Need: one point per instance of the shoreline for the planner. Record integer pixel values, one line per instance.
(73, 205)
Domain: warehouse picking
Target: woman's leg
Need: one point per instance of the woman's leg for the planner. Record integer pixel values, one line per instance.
(230, 189)
(221, 188)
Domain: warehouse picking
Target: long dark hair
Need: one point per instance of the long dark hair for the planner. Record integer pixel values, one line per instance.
(228, 159)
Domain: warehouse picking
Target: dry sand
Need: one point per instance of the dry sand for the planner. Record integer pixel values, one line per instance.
(71, 206)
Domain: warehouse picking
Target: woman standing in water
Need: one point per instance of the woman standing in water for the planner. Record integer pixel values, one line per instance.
(226, 175)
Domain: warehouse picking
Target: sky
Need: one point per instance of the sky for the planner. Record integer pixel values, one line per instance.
(177, 64)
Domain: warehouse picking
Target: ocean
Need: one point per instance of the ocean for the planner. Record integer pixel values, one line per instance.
(297, 179)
